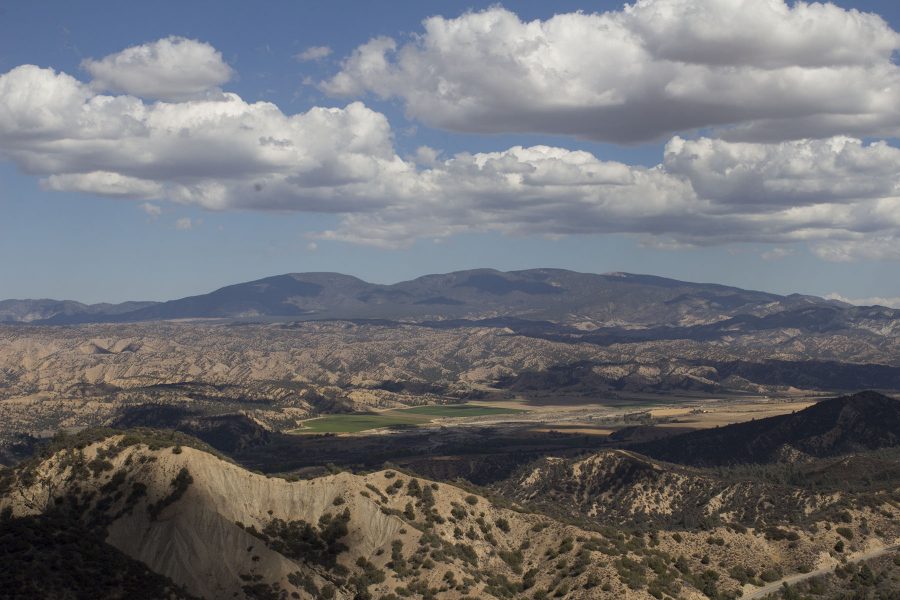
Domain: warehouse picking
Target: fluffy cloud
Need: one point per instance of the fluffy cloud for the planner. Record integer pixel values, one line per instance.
(891, 302)
(313, 53)
(172, 68)
(219, 153)
(837, 195)
(757, 70)
(796, 173)
(552, 191)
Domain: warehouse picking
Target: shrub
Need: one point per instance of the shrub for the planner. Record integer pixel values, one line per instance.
(513, 559)
(706, 583)
(98, 465)
(371, 575)
(741, 574)
(467, 553)
(179, 485)
(302, 541)
(398, 562)
(777, 534)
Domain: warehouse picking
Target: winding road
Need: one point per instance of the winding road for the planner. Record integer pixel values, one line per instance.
(773, 587)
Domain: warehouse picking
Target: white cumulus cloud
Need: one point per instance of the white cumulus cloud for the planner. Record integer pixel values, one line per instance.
(890, 302)
(218, 153)
(838, 196)
(172, 68)
(757, 69)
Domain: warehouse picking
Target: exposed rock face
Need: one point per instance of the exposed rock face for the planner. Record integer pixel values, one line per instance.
(199, 543)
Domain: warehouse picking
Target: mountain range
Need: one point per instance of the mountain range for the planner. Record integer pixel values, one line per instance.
(583, 300)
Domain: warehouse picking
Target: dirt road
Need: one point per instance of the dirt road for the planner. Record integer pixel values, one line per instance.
(773, 587)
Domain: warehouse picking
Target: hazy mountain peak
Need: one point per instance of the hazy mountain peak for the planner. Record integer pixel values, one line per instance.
(544, 294)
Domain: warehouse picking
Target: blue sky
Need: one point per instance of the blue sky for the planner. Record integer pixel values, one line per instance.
(91, 247)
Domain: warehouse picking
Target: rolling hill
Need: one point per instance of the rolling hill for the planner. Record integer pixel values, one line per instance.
(178, 521)
(854, 423)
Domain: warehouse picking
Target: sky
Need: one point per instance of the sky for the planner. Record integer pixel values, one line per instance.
(150, 151)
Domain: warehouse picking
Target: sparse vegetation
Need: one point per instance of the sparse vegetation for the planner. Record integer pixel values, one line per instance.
(179, 485)
(305, 542)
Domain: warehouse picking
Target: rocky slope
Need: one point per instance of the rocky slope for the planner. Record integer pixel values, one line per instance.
(221, 531)
(623, 488)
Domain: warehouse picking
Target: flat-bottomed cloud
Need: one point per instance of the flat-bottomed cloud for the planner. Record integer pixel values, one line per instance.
(173, 68)
(839, 195)
(754, 70)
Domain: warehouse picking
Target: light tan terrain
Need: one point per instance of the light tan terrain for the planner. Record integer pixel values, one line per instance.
(281, 373)
(222, 531)
(771, 588)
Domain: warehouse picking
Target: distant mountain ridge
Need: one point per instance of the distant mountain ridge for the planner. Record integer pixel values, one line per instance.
(586, 301)
(45, 310)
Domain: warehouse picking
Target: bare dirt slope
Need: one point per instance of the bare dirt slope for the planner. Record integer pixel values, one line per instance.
(221, 531)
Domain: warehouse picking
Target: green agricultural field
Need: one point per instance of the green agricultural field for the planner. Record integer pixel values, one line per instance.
(353, 423)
